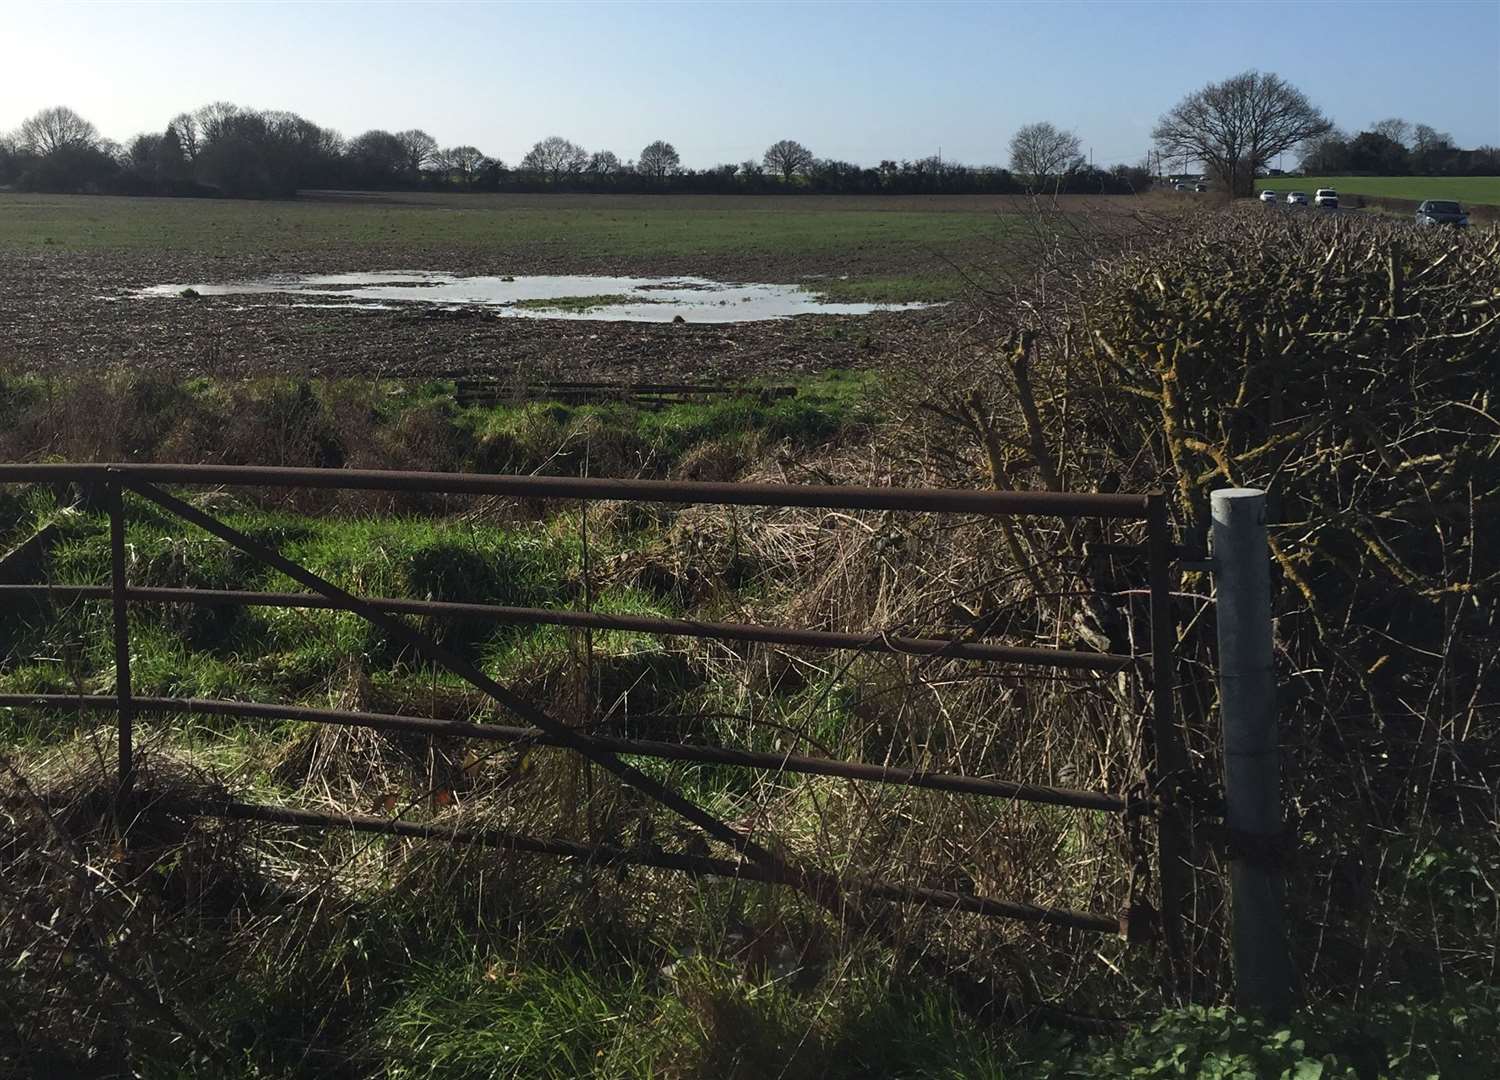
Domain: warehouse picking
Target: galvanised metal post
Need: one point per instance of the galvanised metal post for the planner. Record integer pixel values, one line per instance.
(1252, 751)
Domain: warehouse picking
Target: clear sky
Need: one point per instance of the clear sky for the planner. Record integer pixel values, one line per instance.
(721, 80)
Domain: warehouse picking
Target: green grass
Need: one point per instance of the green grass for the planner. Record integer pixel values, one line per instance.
(483, 1016)
(289, 654)
(891, 249)
(578, 304)
(901, 288)
(1484, 190)
(419, 425)
(580, 225)
(619, 438)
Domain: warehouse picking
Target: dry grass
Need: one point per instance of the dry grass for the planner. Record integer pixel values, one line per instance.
(1347, 367)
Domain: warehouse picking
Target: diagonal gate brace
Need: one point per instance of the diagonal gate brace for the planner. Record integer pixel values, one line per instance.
(819, 886)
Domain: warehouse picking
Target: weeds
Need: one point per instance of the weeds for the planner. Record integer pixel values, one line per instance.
(132, 417)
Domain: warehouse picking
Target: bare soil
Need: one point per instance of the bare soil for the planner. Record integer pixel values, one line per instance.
(70, 311)
(66, 306)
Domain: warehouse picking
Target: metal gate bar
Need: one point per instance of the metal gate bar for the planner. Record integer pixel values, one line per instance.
(607, 855)
(665, 751)
(813, 496)
(939, 648)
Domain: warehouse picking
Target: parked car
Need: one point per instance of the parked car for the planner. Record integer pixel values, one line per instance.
(1296, 198)
(1441, 212)
(1268, 195)
(1326, 197)
(1179, 186)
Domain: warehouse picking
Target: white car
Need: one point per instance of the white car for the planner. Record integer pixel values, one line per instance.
(1268, 195)
(1326, 197)
(1296, 198)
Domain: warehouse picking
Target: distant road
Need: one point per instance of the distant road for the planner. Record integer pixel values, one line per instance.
(1470, 190)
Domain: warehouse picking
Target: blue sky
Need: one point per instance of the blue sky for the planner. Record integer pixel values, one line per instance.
(859, 81)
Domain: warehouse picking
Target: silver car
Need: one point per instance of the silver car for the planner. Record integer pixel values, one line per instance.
(1296, 198)
(1441, 212)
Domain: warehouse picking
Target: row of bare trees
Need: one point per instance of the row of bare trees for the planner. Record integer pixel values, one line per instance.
(226, 149)
(559, 159)
(239, 151)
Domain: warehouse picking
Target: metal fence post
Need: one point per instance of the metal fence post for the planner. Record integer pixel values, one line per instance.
(1252, 757)
(117, 584)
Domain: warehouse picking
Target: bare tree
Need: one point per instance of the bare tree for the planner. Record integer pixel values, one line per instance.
(1237, 126)
(1039, 152)
(1425, 139)
(58, 128)
(1325, 153)
(604, 163)
(555, 158)
(379, 157)
(1395, 129)
(463, 162)
(10, 157)
(420, 150)
(186, 128)
(143, 152)
(171, 162)
(787, 158)
(212, 119)
(1431, 149)
(659, 160)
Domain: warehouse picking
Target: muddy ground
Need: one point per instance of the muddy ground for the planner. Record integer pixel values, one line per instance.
(68, 265)
(71, 311)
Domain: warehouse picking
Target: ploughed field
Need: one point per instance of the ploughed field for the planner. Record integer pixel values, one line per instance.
(70, 268)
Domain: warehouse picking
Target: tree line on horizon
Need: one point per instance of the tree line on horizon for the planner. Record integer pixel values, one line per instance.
(225, 149)
(1234, 129)
(1396, 147)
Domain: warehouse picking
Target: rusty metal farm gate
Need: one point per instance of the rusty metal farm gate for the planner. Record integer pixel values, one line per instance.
(1164, 753)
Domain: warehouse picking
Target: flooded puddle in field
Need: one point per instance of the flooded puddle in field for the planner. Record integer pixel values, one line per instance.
(618, 299)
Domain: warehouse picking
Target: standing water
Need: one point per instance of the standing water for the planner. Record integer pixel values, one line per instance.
(623, 299)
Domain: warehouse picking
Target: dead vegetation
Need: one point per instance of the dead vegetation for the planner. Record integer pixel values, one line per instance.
(1349, 368)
